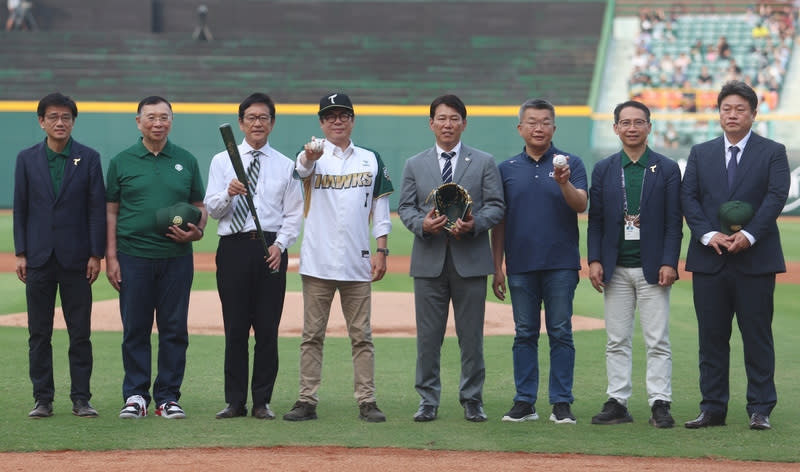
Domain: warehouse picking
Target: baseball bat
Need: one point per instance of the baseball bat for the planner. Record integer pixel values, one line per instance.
(233, 152)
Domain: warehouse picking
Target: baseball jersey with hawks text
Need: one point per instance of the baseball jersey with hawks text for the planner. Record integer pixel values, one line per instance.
(343, 191)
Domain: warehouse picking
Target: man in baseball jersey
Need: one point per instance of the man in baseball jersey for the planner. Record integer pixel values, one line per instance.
(345, 187)
(251, 289)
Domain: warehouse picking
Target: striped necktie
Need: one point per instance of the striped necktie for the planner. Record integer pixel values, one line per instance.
(447, 170)
(241, 211)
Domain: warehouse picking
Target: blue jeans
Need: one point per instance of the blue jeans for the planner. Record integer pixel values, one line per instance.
(163, 286)
(556, 288)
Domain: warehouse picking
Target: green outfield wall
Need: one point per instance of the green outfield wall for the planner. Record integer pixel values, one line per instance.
(396, 137)
(396, 132)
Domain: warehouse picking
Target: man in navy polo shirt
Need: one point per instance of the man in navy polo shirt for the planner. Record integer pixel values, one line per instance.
(545, 188)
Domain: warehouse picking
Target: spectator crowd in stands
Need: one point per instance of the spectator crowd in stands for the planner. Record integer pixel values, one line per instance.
(672, 68)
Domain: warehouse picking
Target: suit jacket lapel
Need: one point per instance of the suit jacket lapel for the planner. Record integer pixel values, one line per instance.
(432, 167)
(71, 166)
(42, 170)
(615, 186)
(746, 160)
(648, 181)
(464, 160)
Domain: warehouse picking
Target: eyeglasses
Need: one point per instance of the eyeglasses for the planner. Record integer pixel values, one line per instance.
(538, 124)
(331, 118)
(66, 118)
(252, 119)
(442, 119)
(634, 123)
(157, 118)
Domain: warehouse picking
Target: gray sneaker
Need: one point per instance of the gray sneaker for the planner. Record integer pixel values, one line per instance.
(369, 412)
(301, 411)
(613, 412)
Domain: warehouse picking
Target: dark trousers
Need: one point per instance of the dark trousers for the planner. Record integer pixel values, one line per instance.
(76, 302)
(251, 296)
(716, 298)
(161, 286)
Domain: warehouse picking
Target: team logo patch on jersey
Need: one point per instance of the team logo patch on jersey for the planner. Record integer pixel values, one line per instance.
(364, 253)
(178, 167)
(386, 173)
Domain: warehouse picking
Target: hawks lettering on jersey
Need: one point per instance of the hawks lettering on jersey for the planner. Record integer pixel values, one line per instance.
(338, 182)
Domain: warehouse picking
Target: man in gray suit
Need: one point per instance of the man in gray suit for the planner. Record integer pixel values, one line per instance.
(450, 265)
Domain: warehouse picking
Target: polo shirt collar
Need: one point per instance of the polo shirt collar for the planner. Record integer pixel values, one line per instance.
(65, 153)
(642, 162)
(547, 154)
(140, 151)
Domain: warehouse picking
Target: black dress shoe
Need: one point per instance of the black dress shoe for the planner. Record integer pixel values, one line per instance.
(42, 409)
(263, 412)
(473, 411)
(83, 409)
(426, 413)
(705, 420)
(759, 421)
(232, 411)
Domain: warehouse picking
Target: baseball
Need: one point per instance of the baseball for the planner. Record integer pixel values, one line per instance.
(560, 161)
(317, 145)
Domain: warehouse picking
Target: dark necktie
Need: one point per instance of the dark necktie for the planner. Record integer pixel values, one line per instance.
(241, 210)
(732, 166)
(447, 170)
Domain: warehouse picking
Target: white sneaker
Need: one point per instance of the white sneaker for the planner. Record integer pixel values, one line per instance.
(135, 407)
(170, 410)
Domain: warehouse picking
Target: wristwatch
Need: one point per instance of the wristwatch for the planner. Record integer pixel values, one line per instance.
(384, 250)
(279, 246)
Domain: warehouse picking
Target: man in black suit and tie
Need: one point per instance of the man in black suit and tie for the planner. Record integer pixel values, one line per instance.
(59, 239)
(735, 273)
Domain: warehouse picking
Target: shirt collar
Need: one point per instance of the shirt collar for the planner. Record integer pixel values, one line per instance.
(246, 148)
(338, 152)
(551, 151)
(65, 153)
(140, 151)
(456, 149)
(741, 144)
(642, 162)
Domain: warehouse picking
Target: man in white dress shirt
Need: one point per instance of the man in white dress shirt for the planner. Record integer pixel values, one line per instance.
(251, 284)
(345, 187)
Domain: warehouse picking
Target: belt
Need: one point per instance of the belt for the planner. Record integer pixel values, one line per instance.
(249, 235)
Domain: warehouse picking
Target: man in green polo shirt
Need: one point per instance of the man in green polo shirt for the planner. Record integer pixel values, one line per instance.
(59, 239)
(634, 240)
(152, 270)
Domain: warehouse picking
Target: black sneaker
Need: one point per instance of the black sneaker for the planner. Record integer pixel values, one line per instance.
(521, 411)
(613, 412)
(301, 411)
(562, 414)
(661, 417)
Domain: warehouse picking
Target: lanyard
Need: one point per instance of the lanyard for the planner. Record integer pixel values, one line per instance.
(625, 194)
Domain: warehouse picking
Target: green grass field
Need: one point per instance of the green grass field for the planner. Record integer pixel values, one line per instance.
(338, 423)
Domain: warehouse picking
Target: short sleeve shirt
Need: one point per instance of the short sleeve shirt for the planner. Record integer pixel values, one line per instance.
(143, 183)
(541, 230)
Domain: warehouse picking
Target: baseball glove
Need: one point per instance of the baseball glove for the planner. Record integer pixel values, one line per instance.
(451, 200)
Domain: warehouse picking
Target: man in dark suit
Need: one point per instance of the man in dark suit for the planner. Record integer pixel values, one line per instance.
(59, 239)
(735, 273)
(450, 265)
(634, 241)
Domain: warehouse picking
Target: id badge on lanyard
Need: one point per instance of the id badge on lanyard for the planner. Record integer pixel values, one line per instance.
(632, 223)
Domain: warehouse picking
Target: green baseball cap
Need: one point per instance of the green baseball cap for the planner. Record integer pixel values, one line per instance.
(734, 215)
(178, 214)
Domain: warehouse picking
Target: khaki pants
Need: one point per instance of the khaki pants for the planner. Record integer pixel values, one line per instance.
(317, 297)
